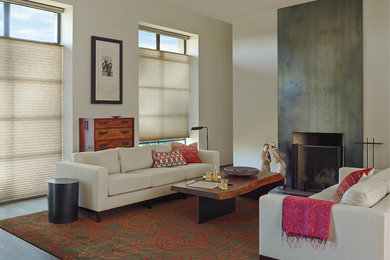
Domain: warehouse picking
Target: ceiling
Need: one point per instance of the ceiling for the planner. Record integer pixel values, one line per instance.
(227, 10)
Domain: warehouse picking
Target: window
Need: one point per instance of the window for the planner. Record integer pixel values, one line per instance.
(29, 23)
(171, 44)
(31, 105)
(156, 39)
(147, 39)
(32, 24)
(1, 18)
(163, 88)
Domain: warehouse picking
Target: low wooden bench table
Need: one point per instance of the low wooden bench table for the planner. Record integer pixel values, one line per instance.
(213, 203)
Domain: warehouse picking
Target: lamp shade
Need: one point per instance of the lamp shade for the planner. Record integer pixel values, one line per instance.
(197, 127)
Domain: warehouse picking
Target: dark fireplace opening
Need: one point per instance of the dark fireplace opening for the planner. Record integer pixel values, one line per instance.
(316, 159)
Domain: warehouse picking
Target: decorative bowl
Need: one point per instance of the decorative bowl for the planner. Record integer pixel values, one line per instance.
(240, 171)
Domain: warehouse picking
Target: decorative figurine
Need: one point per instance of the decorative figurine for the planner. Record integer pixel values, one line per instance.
(266, 158)
(279, 159)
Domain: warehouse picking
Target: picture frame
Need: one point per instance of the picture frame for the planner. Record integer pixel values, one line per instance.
(106, 71)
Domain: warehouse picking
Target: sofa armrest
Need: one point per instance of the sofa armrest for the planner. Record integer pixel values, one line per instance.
(349, 224)
(207, 156)
(93, 182)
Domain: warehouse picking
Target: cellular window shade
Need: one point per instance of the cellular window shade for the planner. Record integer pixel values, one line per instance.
(163, 95)
(30, 116)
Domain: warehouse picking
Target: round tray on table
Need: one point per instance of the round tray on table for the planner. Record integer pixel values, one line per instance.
(240, 171)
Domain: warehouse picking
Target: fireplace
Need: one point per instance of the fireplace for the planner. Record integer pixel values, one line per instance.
(316, 158)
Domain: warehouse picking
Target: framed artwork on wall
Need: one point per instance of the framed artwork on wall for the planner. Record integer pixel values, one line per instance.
(106, 71)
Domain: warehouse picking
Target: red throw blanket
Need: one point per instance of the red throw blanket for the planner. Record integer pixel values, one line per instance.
(306, 219)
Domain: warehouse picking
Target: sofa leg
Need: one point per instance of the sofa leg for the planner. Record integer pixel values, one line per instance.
(98, 217)
(149, 204)
(183, 196)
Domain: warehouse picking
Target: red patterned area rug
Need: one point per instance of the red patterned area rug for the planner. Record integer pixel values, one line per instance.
(167, 231)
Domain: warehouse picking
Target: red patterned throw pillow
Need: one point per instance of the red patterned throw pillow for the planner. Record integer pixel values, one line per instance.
(349, 181)
(167, 159)
(190, 152)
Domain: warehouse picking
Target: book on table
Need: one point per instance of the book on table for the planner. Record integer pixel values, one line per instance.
(204, 185)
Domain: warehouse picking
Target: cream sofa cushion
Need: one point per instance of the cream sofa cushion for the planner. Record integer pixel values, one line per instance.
(366, 193)
(326, 194)
(119, 183)
(383, 175)
(135, 158)
(162, 176)
(195, 170)
(166, 148)
(106, 158)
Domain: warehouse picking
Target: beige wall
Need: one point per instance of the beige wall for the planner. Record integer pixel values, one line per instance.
(255, 82)
(119, 20)
(376, 99)
(255, 116)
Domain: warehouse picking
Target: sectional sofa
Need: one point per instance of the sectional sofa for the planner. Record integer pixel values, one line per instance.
(116, 177)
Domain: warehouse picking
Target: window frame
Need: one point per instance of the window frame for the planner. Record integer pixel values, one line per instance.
(7, 18)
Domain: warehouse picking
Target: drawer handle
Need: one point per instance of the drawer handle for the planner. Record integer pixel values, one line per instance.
(102, 145)
(125, 132)
(103, 123)
(124, 122)
(102, 133)
(125, 143)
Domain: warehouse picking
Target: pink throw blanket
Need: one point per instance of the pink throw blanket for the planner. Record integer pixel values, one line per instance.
(306, 219)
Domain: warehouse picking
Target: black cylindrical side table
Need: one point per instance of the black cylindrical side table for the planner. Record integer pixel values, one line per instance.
(63, 200)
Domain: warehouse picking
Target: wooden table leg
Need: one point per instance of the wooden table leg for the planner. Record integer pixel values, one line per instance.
(212, 208)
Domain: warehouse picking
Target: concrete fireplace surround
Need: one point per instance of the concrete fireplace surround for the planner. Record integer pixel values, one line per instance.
(320, 74)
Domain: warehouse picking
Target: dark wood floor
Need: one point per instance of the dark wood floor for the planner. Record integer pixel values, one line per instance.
(12, 247)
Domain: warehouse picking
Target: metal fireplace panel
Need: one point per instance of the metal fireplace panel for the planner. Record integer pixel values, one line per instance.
(316, 167)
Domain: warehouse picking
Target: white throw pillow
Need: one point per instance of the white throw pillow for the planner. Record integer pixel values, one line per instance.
(106, 158)
(366, 193)
(135, 158)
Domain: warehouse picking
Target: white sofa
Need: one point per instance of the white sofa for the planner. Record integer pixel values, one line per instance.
(359, 227)
(117, 177)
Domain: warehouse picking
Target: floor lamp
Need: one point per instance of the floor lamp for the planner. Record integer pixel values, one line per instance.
(197, 128)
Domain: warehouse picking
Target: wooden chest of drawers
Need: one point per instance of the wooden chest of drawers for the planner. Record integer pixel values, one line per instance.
(104, 133)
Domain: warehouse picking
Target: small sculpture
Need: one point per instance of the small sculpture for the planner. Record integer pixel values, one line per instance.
(279, 159)
(266, 158)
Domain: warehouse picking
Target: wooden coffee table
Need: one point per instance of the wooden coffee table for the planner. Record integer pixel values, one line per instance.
(216, 202)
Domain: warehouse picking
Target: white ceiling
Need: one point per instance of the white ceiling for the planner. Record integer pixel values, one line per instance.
(227, 10)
